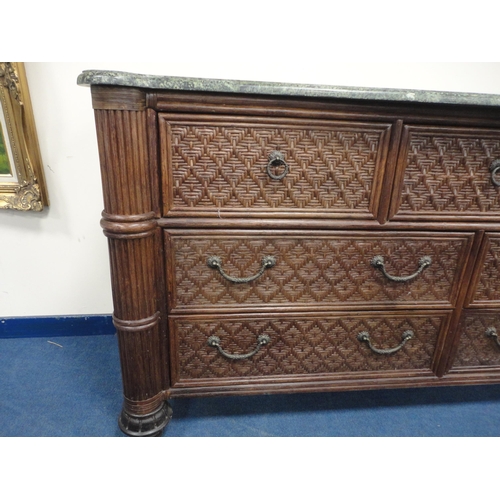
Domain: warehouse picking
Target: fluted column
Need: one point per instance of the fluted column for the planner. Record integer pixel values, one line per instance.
(131, 200)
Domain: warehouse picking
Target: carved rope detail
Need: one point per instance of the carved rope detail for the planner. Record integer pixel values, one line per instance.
(136, 325)
(128, 226)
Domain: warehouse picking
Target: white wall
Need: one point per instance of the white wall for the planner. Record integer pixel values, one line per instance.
(56, 262)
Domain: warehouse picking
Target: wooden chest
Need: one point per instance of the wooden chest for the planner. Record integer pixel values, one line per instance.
(269, 238)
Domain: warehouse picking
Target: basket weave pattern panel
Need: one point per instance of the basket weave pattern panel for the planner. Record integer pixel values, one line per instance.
(312, 270)
(475, 348)
(488, 286)
(225, 167)
(303, 346)
(445, 173)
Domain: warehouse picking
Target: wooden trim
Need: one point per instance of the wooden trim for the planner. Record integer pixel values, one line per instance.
(479, 269)
(391, 164)
(411, 380)
(123, 98)
(397, 185)
(314, 223)
(450, 345)
(349, 109)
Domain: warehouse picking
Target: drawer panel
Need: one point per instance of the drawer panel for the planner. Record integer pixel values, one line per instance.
(446, 172)
(312, 269)
(301, 344)
(213, 165)
(476, 346)
(485, 289)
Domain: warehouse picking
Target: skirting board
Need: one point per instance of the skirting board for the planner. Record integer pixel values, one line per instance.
(55, 326)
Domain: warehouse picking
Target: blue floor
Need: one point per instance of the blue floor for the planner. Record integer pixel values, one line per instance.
(74, 389)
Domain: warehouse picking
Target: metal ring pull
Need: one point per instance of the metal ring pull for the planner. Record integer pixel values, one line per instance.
(365, 337)
(277, 158)
(492, 332)
(216, 263)
(495, 169)
(379, 263)
(214, 341)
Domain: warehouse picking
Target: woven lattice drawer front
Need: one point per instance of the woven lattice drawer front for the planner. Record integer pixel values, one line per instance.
(313, 269)
(301, 345)
(446, 172)
(485, 290)
(478, 344)
(215, 165)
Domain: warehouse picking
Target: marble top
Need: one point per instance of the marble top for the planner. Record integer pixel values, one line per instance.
(101, 77)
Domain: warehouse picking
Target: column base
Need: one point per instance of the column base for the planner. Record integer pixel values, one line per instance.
(149, 425)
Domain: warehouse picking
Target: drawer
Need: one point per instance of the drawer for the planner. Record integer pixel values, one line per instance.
(445, 172)
(485, 287)
(233, 347)
(215, 165)
(478, 345)
(329, 269)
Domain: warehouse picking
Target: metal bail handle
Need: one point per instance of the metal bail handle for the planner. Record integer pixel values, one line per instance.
(495, 170)
(277, 158)
(365, 337)
(216, 263)
(492, 333)
(262, 340)
(379, 263)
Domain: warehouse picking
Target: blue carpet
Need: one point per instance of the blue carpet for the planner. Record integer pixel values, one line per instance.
(74, 389)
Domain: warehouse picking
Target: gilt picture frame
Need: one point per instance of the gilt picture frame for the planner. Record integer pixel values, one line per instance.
(22, 180)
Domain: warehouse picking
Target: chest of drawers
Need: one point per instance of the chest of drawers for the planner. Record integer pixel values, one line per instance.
(269, 238)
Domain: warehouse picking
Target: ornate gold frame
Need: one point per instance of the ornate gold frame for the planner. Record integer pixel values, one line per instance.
(25, 189)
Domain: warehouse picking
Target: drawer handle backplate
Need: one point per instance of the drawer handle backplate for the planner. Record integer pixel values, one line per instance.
(492, 332)
(495, 169)
(379, 263)
(277, 158)
(365, 337)
(216, 263)
(262, 340)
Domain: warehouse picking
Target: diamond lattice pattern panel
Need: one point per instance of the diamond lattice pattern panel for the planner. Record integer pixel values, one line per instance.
(475, 348)
(224, 167)
(303, 346)
(450, 173)
(488, 286)
(313, 269)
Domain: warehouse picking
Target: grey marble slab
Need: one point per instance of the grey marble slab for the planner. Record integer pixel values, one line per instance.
(101, 77)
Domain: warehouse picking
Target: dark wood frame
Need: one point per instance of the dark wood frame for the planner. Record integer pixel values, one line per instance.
(129, 145)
